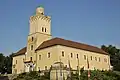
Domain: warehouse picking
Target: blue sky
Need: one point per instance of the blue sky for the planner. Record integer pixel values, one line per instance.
(94, 22)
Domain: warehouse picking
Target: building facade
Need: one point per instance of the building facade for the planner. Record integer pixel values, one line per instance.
(42, 50)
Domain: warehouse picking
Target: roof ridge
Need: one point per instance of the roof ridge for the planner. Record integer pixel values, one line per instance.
(70, 43)
(78, 42)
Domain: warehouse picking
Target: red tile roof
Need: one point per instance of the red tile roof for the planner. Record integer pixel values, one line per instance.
(63, 42)
(68, 43)
(21, 51)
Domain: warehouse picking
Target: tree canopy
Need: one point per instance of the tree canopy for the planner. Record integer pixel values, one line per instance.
(6, 64)
(114, 56)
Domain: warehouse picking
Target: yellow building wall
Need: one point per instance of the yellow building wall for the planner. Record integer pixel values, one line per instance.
(93, 64)
(45, 61)
(56, 56)
(18, 64)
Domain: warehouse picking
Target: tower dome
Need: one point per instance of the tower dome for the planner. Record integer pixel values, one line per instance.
(40, 10)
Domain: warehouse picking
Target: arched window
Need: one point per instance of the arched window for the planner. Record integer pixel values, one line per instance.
(16, 61)
(85, 57)
(45, 30)
(96, 58)
(63, 53)
(23, 59)
(45, 67)
(31, 47)
(99, 59)
(42, 29)
(32, 38)
(39, 57)
(91, 57)
(30, 58)
(77, 55)
(71, 55)
(49, 55)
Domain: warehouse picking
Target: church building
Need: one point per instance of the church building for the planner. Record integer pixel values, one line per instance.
(42, 51)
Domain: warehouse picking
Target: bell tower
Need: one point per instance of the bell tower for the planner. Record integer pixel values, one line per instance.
(40, 31)
(40, 22)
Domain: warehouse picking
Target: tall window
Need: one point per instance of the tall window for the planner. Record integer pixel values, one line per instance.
(16, 61)
(77, 55)
(49, 55)
(71, 55)
(39, 57)
(23, 59)
(45, 30)
(99, 59)
(42, 29)
(31, 47)
(30, 58)
(91, 57)
(63, 53)
(96, 58)
(45, 67)
(32, 38)
(85, 57)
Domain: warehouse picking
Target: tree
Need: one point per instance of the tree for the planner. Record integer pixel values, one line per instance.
(114, 56)
(6, 63)
(2, 58)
